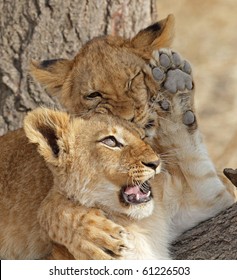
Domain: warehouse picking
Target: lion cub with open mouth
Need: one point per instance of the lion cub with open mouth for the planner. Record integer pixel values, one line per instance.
(100, 163)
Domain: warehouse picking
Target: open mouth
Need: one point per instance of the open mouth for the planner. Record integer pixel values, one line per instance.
(136, 194)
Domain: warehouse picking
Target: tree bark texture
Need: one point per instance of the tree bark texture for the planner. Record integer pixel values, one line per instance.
(46, 29)
(211, 240)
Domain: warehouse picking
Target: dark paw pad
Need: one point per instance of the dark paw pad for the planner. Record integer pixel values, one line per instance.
(187, 67)
(158, 74)
(178, 80)
(164, 104)
(165, 60)
(189, 118)
(176, 59)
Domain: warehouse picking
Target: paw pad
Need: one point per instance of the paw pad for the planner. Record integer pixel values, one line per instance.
(174, 76)
(170, 68)
(176, 59)
(165, 60)
(187, 67)
(178, 80)
(189, 118)
(158, 74)
(164, 104)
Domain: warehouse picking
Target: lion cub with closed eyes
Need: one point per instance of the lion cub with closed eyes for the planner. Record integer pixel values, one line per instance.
(101, 163)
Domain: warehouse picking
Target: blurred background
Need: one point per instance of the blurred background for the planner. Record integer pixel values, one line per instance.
(206, 34)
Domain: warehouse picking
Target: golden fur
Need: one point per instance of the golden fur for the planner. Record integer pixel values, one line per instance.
(91, 161)
(111, 75)
(111, 66)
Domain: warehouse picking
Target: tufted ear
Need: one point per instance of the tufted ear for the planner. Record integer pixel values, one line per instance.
(155, 36)
(52, 74)
(50, 130)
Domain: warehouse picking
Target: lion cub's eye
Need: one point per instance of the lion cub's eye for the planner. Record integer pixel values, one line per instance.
(112, 142)
(93, 95)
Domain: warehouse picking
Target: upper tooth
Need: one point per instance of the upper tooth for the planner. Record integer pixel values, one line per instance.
(148, 194)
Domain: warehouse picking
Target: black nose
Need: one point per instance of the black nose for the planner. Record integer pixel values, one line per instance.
(153, 164)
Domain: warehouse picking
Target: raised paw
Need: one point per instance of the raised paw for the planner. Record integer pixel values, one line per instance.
(176, 87)
(175, 73)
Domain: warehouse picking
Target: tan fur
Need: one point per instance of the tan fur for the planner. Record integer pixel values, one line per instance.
(186, 194)
(21, 192)
(194, 191)
(58, 79)
(86, 171)
(113, 66)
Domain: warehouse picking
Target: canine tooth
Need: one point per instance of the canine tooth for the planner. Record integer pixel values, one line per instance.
(148, 194)
(137, 196)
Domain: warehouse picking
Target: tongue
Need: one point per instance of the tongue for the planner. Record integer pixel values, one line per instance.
(132, 190)
(133, 194)
(135, 191)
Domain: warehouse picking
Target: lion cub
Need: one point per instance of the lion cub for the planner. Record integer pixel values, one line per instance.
(100, 162)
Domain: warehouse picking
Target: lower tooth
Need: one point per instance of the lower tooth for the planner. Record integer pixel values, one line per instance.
(137, 197)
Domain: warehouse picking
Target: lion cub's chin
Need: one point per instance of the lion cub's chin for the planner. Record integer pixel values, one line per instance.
(137, 200)
(140, 211)
(132, 211)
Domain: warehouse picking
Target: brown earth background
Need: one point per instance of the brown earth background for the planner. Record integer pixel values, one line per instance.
(206, 34)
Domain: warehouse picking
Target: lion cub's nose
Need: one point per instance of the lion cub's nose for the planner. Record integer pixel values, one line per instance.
(153, 164)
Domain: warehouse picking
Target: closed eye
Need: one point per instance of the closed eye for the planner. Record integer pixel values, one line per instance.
(150, 124)
(112, 142)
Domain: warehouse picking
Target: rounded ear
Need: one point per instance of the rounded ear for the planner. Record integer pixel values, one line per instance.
(51, 73)
(50, 130)
(155, 36)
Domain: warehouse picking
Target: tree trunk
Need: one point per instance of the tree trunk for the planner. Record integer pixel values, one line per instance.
(211, 240)
(46, 29)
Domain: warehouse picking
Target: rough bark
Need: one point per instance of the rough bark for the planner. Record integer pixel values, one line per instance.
(45, 29)
(211, 240)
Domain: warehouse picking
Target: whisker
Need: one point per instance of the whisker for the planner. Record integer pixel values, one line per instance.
(145, 187)
(163, 171)
(173, 151)
(170, 164)
(167, 120)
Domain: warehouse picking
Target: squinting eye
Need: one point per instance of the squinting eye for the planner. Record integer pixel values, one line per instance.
(150, 124)
(93, 95)
(112, 142)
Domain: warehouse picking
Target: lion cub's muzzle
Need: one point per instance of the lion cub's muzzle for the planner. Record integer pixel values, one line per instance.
(140, 192)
